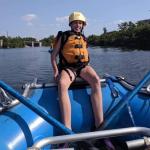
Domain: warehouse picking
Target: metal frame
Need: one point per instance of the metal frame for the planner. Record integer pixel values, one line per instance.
(96, 135)
(143, 143)
(144, 90)
(15, 101)
(148, 88)
(78, 81)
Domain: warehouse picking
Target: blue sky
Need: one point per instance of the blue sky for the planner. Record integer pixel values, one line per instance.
(41, 18)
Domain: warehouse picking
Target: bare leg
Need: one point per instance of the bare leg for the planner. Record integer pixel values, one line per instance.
(65, 106)
(92, 78)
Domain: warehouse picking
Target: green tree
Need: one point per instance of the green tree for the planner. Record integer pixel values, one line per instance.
(47, 41)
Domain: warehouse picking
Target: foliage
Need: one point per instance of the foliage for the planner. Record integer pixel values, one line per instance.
(132, 35)
(47, 41)
(10, 42)
(18, 42)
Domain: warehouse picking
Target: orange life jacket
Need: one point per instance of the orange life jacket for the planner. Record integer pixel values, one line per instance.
(73, 48)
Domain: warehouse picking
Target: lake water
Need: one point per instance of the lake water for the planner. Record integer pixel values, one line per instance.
(21, 65)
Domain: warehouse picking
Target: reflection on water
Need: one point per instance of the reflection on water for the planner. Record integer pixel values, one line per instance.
(19, 66)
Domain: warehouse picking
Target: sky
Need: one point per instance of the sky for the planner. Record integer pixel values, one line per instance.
(42, 18)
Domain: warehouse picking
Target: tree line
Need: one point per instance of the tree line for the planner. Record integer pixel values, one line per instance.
(18, 42)
(129, 34)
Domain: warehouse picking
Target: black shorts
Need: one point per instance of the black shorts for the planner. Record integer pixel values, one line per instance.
(76, 69)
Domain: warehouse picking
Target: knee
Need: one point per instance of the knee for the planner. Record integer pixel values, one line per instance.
(95, 81)
(62, 84)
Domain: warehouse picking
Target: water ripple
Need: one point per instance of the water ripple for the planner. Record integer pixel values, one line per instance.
(19, 66)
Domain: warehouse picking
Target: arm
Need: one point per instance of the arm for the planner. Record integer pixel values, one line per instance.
(53, 58)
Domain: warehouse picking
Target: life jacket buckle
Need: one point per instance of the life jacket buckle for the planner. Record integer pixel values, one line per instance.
(78, 37)
(78, 46)
(79, 57)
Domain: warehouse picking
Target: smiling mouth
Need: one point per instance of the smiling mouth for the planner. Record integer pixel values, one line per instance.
(77, 28)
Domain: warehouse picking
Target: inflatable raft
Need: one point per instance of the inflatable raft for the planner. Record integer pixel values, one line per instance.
(32, 120)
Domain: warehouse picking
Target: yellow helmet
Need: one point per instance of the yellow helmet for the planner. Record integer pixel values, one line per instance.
(77, 16)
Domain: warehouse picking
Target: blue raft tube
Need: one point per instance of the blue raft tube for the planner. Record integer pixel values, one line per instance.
(37, 116)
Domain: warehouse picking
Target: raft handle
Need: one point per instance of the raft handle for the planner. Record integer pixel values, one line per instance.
(94, 135)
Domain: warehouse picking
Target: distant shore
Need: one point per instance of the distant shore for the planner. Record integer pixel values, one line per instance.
(130, 35)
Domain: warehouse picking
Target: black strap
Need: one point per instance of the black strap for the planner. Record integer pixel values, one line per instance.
(68, 73)
(71, 69)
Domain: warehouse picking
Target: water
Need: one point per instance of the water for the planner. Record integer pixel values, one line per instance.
(21, 65)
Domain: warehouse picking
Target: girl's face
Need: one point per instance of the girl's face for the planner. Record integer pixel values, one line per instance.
(77, 26)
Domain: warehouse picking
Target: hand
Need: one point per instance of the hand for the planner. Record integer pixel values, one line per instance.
(56, 74)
